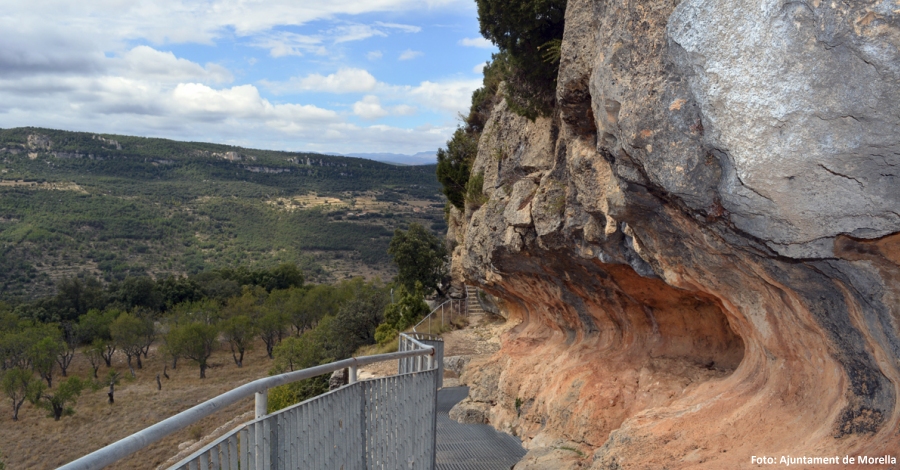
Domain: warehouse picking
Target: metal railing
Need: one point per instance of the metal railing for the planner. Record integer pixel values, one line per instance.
(444, 313)
(380, 423)
(410, 341)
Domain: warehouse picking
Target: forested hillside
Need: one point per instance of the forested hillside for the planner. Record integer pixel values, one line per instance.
(109, 207)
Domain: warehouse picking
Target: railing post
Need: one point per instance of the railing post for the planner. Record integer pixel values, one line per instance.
(262, 403)
(352, 378)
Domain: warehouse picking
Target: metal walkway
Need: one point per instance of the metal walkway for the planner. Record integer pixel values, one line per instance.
(471, 446)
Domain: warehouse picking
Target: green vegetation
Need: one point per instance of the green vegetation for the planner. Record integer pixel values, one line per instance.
(113, 207)
(475, 190)
(61, 401)
(454, 165)
(529, 34)
(113, 244)
(402, 315)
(421, 259)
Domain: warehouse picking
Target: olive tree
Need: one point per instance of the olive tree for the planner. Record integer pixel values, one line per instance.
(195, 341)
(18, 385)
(62, 401)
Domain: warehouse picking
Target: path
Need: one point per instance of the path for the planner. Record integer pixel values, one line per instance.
(471, 446)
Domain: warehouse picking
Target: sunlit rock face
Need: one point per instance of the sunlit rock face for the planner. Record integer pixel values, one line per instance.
(701, 248)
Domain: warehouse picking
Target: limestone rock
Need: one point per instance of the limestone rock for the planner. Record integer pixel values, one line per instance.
(701, 248)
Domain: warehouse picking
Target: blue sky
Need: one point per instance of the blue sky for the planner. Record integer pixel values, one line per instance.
(336, 76)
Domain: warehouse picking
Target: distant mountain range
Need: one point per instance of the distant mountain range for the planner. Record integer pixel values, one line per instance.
(421, 158)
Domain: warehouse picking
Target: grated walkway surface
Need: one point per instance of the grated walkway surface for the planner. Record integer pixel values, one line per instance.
(471, 446)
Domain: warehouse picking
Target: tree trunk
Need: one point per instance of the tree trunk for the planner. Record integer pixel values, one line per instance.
(165, 373)
(57, 410)
(16, 406)
(95, 369)
(174, 362)
(202, 370)
(237, 360)
(140, 365)
(158, 383)
(111, 392)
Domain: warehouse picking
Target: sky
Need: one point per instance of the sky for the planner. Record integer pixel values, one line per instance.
(344, 76)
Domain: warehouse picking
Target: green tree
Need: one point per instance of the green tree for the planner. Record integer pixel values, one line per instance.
(75, 297)
(455, 164)
(283, 276)
(270, 327)
(419, 256)
(18, 384)
(70, 340)
(306, 308)
(356, 320)
(239, 332)
(130, 334)
(177, 290)
(95, 353)
(297, 353)
(399, 316)
(43, 356)
(140, 291)
(93, 328)
(195, 341)
(530, 33)
(62, 402)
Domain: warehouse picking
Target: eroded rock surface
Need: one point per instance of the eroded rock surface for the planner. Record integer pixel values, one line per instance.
(701, 246)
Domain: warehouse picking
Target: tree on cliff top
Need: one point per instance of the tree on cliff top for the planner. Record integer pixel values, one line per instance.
(530, 33)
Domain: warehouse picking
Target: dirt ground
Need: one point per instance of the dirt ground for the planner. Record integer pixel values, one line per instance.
(38, 442)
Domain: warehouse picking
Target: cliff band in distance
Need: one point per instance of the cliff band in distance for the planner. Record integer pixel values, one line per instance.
(700, 249)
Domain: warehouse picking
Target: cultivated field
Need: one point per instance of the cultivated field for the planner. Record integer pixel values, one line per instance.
(38, 442)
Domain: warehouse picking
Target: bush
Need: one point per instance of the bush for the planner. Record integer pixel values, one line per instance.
(474, 190)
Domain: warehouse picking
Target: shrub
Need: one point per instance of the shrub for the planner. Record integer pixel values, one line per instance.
(474, 190)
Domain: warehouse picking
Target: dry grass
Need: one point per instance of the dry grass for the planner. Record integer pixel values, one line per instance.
(38, 442)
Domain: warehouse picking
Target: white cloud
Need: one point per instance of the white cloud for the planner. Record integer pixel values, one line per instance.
(282, 44)
(149, 64)
(345, 80)
(449, 96)
(476, 42)
(479, 68)
(406, 28)
(410, 54)
(72, 65)
(369, 108)
(354, 32)
(403, 110)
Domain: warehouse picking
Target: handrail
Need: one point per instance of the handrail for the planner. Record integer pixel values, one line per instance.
(137, 441)
(426, 317)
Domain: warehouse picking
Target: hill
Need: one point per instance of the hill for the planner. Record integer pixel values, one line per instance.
(75, 203)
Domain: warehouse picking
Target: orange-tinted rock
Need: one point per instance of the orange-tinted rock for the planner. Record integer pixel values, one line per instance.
(658, 323)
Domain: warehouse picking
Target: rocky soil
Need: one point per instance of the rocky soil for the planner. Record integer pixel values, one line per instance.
(700, 250)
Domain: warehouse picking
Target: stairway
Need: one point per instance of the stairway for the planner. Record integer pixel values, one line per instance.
(473, 306)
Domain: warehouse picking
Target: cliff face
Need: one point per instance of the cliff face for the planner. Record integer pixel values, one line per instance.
(701, 249)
